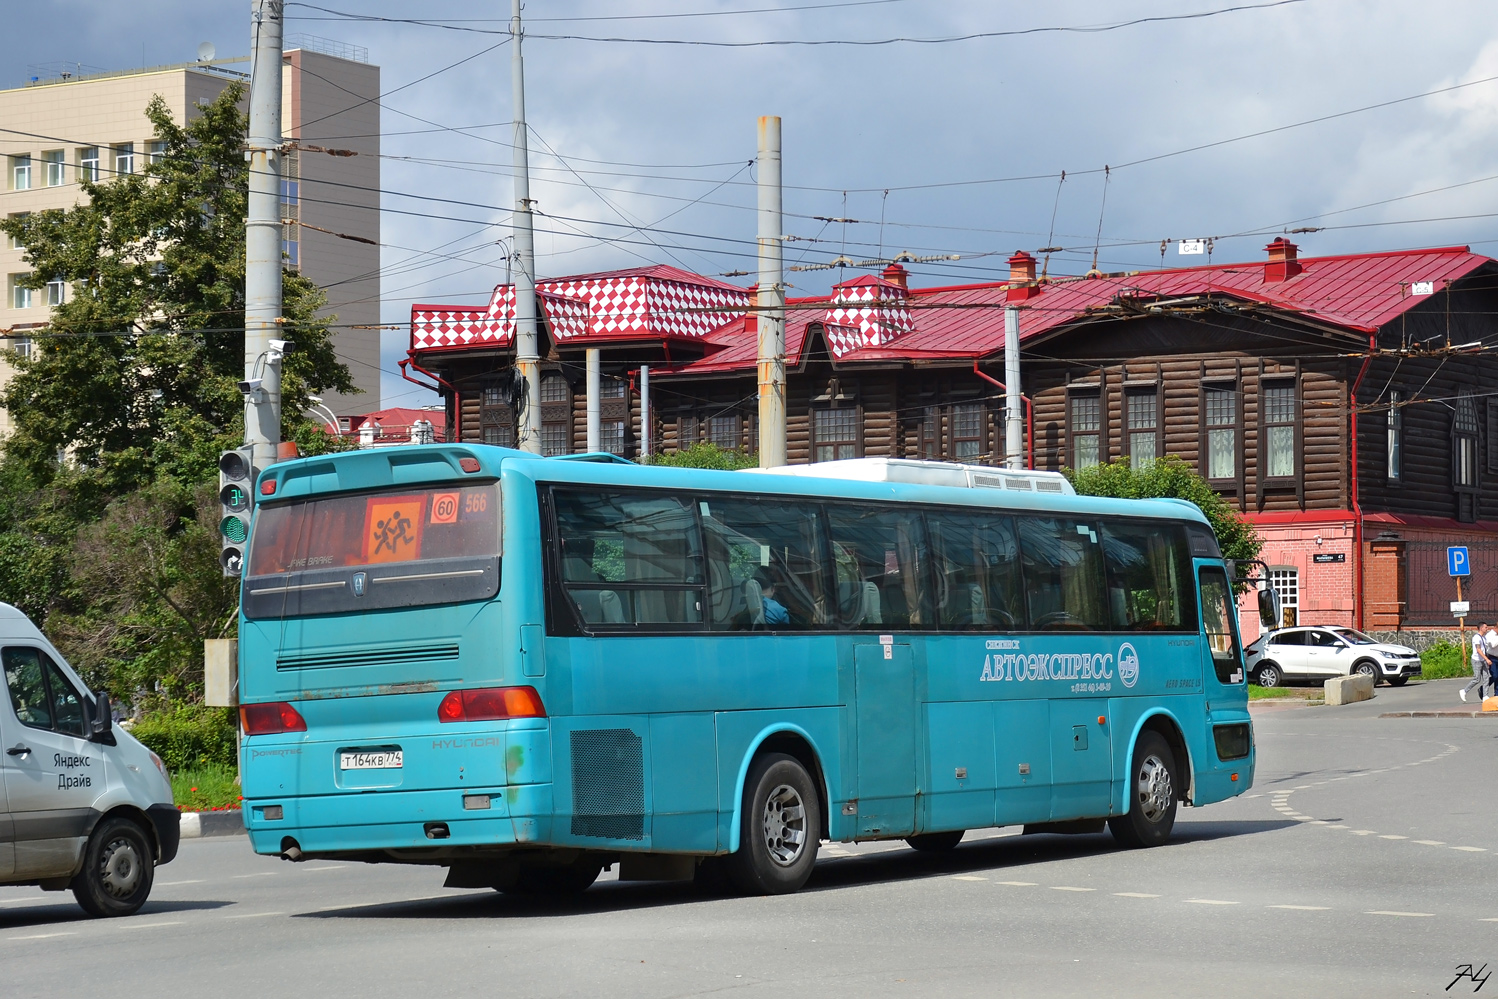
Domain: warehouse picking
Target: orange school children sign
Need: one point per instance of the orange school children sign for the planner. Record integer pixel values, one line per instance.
(392, 528)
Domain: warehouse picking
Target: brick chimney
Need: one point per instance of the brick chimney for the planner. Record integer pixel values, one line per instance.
(895, 274)
(1282, 265)
(1022, 283)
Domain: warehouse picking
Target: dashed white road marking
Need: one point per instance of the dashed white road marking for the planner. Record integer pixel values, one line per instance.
(44, 936)
(1389, 912)
(254, 915)
(1069, 888)
(147, 926)
(1302, 908)
(1364, 832)
(1392, 836)
(331, 867)
(168, 884)
(1210, 901)
(967, 877)
(1017, 884)
(1429, 842)
(258, 874)
(1135, 894)
(1471, 849)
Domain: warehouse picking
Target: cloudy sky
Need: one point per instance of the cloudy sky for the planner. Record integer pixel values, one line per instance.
(641, 152)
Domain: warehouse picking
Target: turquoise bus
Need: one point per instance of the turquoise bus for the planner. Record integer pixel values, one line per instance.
(528, 669)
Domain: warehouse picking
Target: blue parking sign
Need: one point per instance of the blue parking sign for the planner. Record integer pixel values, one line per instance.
(1457, 563)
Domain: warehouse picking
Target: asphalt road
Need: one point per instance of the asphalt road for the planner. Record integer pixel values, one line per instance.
(1362, 863)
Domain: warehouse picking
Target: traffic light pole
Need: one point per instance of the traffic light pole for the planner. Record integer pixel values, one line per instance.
(262, 277)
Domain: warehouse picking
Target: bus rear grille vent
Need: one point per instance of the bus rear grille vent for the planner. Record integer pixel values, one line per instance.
(608, 784)
(378, 657)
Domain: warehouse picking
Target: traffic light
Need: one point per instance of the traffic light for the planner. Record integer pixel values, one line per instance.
(236, 496)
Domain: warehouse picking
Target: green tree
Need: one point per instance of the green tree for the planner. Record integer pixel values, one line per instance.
(135, 375)
(1171, 477)
(706, 454)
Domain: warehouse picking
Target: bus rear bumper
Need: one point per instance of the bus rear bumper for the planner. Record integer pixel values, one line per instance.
(401, 820)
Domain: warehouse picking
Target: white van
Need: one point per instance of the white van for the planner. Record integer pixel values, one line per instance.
(83, 805)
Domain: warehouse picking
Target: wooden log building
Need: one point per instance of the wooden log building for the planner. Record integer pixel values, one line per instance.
(1347, 405)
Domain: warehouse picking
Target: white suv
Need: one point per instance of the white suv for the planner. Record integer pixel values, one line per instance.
(1317, 653)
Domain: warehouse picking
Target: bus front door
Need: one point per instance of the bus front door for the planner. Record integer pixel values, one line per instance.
(884, 688)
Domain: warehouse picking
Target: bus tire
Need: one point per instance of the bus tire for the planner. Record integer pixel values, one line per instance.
(1151, 795)
(555, 882)
(935, 842)
(778, 830)
(118, 869)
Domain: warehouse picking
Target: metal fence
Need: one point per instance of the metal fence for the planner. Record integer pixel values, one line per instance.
(1429, 589)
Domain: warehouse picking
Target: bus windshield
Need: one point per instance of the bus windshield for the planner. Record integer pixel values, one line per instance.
(318, 541)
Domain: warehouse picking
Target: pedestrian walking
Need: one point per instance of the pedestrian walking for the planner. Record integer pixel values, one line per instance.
(1482, 663)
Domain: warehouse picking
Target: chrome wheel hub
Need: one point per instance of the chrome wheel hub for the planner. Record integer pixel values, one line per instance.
(785, 825)
(120, 868)
(1154, 790)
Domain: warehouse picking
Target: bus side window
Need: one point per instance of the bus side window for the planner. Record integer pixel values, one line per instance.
(1149, 571)
(977, 572)
(764, 565)
(1063, 568)
(879, 558)
(630, 560)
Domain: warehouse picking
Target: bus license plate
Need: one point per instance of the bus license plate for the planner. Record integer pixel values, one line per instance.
(383, 760)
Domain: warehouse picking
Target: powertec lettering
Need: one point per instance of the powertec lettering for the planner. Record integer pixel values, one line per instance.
(1021, 666)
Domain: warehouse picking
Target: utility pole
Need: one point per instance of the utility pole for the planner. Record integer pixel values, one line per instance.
(262, 277)
(771, 299)
(647, 436)
(527, 348)
(595, 416)
(1014, 425)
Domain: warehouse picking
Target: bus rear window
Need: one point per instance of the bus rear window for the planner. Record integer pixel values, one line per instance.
(398, 525)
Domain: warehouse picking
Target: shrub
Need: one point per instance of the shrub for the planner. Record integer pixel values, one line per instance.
(706, 454)
(1443, 660)
(190, 737)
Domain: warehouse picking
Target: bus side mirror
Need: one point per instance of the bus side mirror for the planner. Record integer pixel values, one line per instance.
(1269, 607)
(101, 720)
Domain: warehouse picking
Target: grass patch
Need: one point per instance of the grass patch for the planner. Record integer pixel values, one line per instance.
(1445, 661)
(207, 788)
(1257, 693)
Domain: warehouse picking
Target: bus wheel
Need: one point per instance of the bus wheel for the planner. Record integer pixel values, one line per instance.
(1152, 797)
(118, 868)
(555, 881)
(935, 842)
(778, 834)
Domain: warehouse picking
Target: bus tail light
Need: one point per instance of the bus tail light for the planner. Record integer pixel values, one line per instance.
(269, 719)
(490, 704)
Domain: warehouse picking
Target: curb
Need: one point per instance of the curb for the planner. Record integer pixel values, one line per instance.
(196, 825)
(1439, 714)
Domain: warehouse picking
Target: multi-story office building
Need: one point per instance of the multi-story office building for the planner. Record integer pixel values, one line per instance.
(58, 130)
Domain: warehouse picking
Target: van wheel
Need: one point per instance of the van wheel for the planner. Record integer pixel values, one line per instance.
(1151, 795)
(936, 842)
(778, 834)
(118, 868)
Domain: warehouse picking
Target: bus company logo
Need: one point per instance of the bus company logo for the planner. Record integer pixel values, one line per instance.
(1000, 666)
(1128, 665)
(359, 579)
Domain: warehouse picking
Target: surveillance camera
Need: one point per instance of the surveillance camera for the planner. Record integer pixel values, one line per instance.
(250, 385)
(280, 346)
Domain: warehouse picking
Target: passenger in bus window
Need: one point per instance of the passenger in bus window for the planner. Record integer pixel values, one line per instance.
(775, 612)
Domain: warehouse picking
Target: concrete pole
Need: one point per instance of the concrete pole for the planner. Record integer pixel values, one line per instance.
(527, 349)
(262, 276)
(1014, 424)
(647, 437)
(595, 418)
(771, 303)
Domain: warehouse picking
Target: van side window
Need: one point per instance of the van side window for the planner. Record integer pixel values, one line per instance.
(28, 687)
(67, 706)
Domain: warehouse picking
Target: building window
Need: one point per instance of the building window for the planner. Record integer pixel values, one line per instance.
(56, 292)
(155, 152)
(611, 436)
(836, 434)
(20, 173)
(1286, 582)
(22, 345)
(929, 433)
(124, 159)
(1144, 427)
(1221, 406)
(1464, 442)
(1086, 424)
(612, 388)
(88, 164)
(723, 431)
(554, 388)
(1279, 431)
(500, 435)
(556, 415)
(14, 243)
(1395, 430)
(555, 439)
(686, 432)
(967, 430)
(21, 297)
(54, 161)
